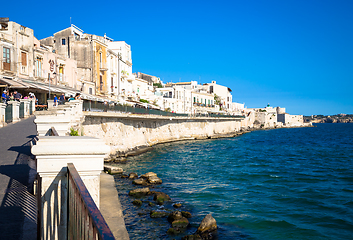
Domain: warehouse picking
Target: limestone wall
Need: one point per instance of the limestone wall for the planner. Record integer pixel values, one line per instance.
(124, 132)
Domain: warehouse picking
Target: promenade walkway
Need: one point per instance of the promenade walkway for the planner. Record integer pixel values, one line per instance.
(18, 209)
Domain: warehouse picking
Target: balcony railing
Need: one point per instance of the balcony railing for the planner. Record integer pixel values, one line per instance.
(85, 221)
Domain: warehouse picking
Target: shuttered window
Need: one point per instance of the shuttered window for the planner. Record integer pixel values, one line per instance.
(24, 58)
(6, 58)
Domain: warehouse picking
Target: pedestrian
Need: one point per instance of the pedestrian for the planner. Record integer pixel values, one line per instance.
(4, 97)
(17, 96)
(55, 100)
(62, 99)
(71, 98)
(78, 96)
(11, 97)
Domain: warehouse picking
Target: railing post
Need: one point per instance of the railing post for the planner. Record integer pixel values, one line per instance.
(53, 153)
(2, 114)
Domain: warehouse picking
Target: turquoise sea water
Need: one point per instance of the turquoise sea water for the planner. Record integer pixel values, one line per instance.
(272, 184)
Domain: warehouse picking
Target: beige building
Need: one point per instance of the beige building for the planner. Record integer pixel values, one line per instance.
(28, 66)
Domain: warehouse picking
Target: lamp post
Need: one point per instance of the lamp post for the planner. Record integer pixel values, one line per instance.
(49, 80)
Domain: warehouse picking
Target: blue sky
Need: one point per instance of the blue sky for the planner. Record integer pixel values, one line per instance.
(293, 54)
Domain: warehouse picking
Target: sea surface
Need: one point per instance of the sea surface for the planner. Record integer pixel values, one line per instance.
(271, 184)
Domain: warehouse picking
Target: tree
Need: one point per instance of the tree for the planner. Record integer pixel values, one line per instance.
(217, 100)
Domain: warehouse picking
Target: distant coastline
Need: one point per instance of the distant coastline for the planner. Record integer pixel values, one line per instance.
(338, 118)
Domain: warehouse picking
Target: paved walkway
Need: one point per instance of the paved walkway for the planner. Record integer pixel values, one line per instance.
(18, 209)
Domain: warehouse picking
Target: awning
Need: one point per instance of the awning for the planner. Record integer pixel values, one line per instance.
(12, 83)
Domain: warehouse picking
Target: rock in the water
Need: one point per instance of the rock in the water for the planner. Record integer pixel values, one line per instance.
(177, 205)
(133, 175)
(207, 224)
(174, 231)
(186, 214)
(174, 216)
(154, 180)
(161, 197)
(180, 223)
(151, 204)
(148, 175)
(124, 176)
(192, 237)
(113, 170)
(140, 192)
(137, 202)
(158, 214)
(139, 181)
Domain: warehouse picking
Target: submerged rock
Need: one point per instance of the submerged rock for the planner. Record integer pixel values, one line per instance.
(133, 175)
(180, 223)
(139, 192)
(186, 214)
(139, 181)
(154, 180)
(177, 205)
(137, 202)
(160, 197)
(174, 216)
(148, 175)
(192, 237)
(207, 224)
(158, 214)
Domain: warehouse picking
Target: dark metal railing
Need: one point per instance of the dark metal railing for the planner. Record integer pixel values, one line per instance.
(85, 221)
(22, 110)
(8, 113)
(113, 107)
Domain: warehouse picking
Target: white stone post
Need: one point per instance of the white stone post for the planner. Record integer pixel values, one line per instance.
(26, 103)
(46, 121)
(53, 154)
(50, 104)
(33, 102)
(2, 114)
(15, 110)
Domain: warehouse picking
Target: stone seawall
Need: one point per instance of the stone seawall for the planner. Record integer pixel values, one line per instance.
(126, 132)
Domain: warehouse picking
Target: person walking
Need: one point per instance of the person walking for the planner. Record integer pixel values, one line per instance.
(62, 99)
(4, 97)
(55, 100)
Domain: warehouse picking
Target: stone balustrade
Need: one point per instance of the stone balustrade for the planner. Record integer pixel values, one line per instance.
(53, 153)
(61, 117)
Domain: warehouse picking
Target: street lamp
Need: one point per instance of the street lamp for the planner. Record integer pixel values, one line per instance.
(49, 82)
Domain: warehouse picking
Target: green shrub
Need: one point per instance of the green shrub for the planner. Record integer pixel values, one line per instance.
(73, 132)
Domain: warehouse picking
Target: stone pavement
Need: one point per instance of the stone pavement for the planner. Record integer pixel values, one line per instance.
(18, 209)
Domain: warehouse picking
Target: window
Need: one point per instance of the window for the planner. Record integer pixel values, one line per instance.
(100, 60)
(61, 72)
(194, 99)
(39, 67)
(101, 83)
(63, 41)
(211, 89)
(24, 58)
(90, 90)
(112, 84)
(6, 58)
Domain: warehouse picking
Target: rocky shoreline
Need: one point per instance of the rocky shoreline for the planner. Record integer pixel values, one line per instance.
(158, 205)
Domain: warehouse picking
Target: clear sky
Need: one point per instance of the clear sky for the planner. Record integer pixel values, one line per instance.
(296, 54)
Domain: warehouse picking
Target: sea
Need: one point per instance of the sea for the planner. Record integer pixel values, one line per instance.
(288, 183)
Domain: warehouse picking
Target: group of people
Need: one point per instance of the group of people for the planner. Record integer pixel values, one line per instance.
(15, 96)
(62, 99)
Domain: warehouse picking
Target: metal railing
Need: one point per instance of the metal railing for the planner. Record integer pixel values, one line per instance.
(113, 107)
(85, 221)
